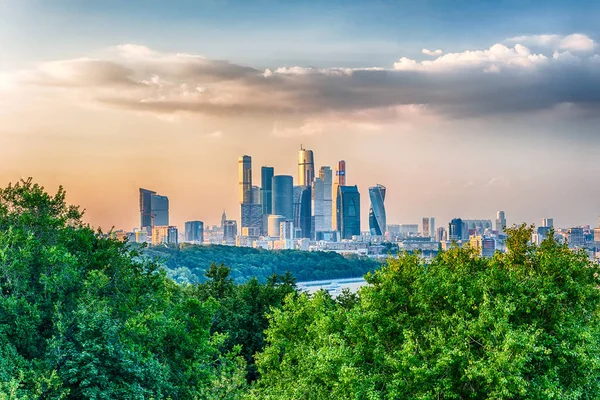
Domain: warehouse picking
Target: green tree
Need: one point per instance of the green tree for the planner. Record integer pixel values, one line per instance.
(83, 316)
(522, 325)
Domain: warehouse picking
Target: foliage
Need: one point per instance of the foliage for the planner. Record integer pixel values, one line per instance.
(247, 263)
(522, 325)
(82, 316)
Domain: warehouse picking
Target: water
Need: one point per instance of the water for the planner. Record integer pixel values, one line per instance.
(333, 286)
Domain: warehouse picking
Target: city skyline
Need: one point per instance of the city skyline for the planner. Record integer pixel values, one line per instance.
(453, 121)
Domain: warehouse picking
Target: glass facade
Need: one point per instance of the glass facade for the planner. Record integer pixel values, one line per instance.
(348, 211)
(283, 194)
(377, 218)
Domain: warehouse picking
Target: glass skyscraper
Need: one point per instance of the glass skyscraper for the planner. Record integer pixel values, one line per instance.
(302, 210)
(245, 179)
(194, 231)
(283, 196)
(348, 211)
(146, 209)
(266, 191)
(306, 167)
(159, 210)
(377, 219)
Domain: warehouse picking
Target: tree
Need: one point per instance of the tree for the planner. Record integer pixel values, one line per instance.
(522, 325)
(83, 316)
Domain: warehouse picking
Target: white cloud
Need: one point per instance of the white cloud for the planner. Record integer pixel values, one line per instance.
(432, 53)
(491, 60)
(575, 42)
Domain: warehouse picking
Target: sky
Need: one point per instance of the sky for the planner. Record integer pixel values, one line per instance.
(460, 108)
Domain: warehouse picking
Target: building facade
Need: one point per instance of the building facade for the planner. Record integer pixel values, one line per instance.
(159, 210)
(146, 209)
(348, 211)
(194, 231)
(302, 210)
(377, 216)
(500, 221)
(245, 179)
(306, 167)
(266, 191)
(283, 196)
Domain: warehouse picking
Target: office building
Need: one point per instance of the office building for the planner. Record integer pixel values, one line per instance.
(223, 219)
(425, 231)
(252, 215)
(432, 227)
(146, 209)
(377, 218)
(455, 230)
(340, 180)
(255, 195)
(274, 225)
(476, 227)
(286, 230)
(164, 235)
(441, 234)
(321, 201)
(245, 179)
(306, 167)
(283, 196)
(575, 237)
(485, 246)
(348, 211)
(229, 231)
(548, 222)
(302, 210)
(159, 210)
(194, 231)
(266, 191)
(500, 221)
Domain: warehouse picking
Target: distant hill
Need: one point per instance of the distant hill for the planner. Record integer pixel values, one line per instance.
(189, 262)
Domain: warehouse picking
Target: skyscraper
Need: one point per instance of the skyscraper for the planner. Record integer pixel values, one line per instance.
(266, 191)
(432, 227)
(302, 209)
(321, 201)
(548, 222)
(340, 180)
(500, 221)
(377, 219)
(159, 210)
(425, 227)
(306, 167)
(229, 231)
(252, 216)
(245, 178)
(146, 209)
(223, 219)
(283, 196)
(348, 211)
(455, 229)
(256, 195)
(194, 231)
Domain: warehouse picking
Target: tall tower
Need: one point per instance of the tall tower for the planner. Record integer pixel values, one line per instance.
(306, 167)
(340, 180)
(266, 194)
(245, 178)
(500, 221)
(377, 219)
(348, 211)
(283, 196)
(146, 209)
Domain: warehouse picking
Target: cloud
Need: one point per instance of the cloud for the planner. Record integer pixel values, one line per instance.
(432, 53)
(499, 80)
(575, 42)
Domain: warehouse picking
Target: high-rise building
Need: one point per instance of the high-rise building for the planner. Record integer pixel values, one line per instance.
(164, 235)
(425, 230)
(340, 180)
(325, 174)
(455, 229)
(306, 167)
(251, 216)
(255, 195)
(485, 246)
(441, 234)
(548, 222)
(229, 231)
(500, 221)
(348, 211)
(223, 219)
(286, 230)
(146, 209)
(302, 209)
(266, 191)
(194, 231)
(377, 218)
(159, 210)
(321, 201)
(432, 227)
(283, 196)
(476, 227)
(245, 178)
(575, 237)
(275, 225)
